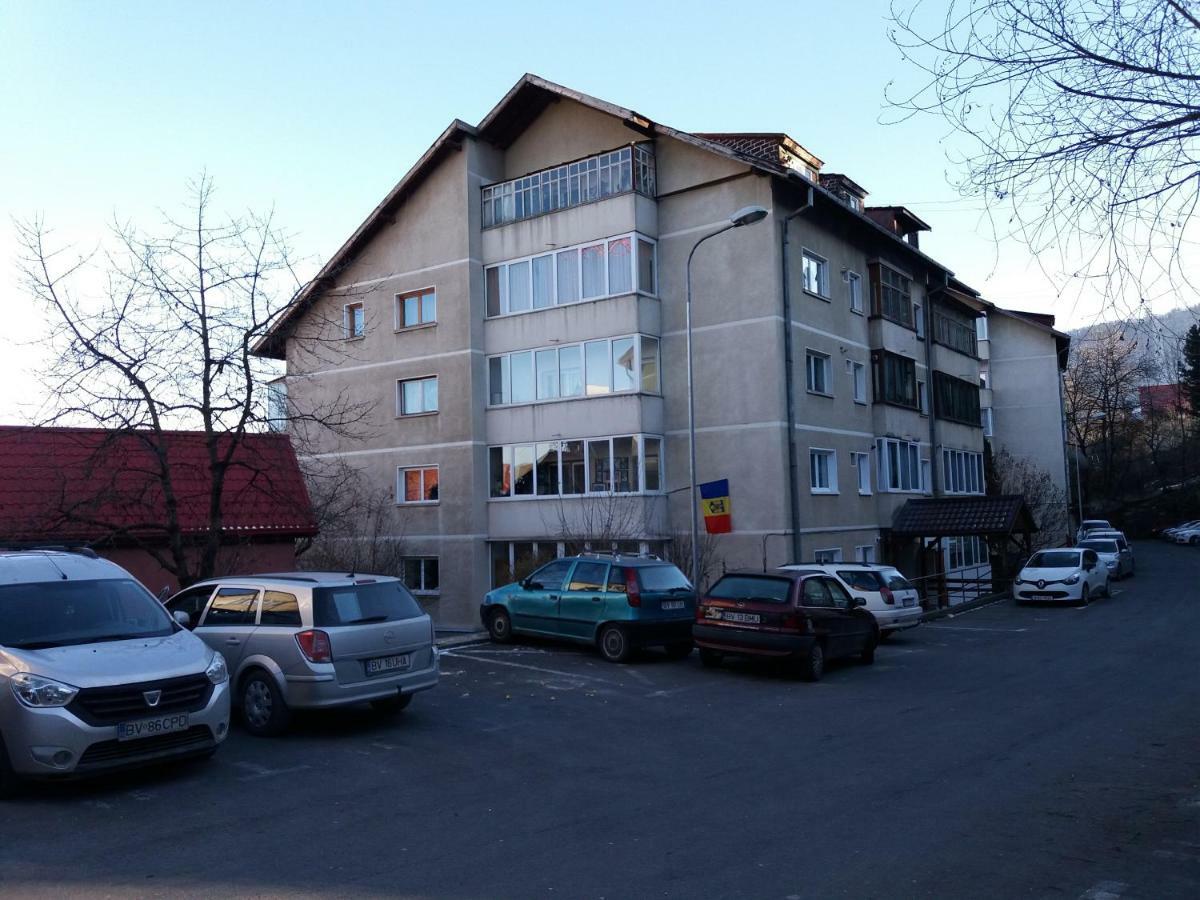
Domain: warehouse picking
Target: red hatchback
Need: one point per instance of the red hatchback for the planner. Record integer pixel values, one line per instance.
(804, 617)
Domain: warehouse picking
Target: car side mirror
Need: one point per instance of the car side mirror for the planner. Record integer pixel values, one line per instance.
(182, 618)
(859, 601)
(530, 585)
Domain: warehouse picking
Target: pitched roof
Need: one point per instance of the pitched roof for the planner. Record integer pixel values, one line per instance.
(954, 516)
(88, 484)
(524, 101)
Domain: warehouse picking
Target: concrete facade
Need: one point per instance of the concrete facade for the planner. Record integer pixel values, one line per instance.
(431, 235)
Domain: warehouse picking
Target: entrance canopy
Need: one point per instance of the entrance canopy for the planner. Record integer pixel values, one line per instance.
(1005, 515)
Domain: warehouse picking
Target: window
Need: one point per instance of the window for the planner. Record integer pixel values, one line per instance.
(962, 472)
(646, 267)
(192, 601)
(814, 272)
(832, 555)
(543, 281)
(954, 332)
(588, 576)
(649, 363)
(232, 606)
(417, 396)
(354, 323)
(551, 576)
(822, 471)
(604, 175)
(281, 609)
(546, 362)
(817, 376)
(618, 365)
(521, 373)
(895, 379)
(988, 424)
(899, 465)
(420, 574)
(277, 405)
(627, 464)
(567, 278)
(981, 328)
(892, 296)
(854, 285)
(919, 320)
(858, 376)
(965, 552)
(416, 308)
(417, 484)
(596, 355)
(865, 554)
(570, 371)
(862, 463)
(956, 400)
(594, 283)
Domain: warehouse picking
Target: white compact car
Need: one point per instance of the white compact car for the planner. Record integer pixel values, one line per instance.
(1072, 575)
(1088, 525)
(1188, 534)
(889, 596)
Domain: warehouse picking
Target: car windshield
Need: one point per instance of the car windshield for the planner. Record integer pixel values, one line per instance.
(361, 604)
(61, 613)
(1054, 559)
(752, 587)
(896, 581)
(1094, 524)
(1101, 546)
(663, 578)
(861, 580)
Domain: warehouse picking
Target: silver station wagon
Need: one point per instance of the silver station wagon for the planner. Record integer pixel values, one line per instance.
(310, 640)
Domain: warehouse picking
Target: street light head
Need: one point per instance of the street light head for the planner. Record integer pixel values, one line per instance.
(748, 215)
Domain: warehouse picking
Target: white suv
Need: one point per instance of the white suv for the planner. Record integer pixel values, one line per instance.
(889, 596)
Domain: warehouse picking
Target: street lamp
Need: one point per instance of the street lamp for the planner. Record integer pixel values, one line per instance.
(747, 215)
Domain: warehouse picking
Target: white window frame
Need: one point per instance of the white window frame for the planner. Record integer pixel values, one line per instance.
(854, 285)
(830, 455)
(348, 332)
(861, 551)
(907, 450)
(633, 236)
(826, 362)
(506, 371)
(640, 440)
(400, 382)
(862, 462)
(423, 591)
(989, 424)
(981, 328)
(962, 472)
(858, 379)
(828, 556)
(808, 257)
(400, 470)
(398, 309)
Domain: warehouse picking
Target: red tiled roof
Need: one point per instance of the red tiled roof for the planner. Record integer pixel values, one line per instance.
(84, 484)
(1163, 398)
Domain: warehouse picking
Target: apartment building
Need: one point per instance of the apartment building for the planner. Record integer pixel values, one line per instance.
(514, 311)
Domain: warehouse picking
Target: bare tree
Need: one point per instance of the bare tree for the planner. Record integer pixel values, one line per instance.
(1048, 502)
(157, 331)
(1079, 121)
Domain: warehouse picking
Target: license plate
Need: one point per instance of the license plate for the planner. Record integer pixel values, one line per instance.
(909, 601)
(382, 664)
(673, 604)
(131, 731)
(1041, 596)
(748, 618)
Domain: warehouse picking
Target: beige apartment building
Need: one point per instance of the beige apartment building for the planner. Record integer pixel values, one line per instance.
(514, 310)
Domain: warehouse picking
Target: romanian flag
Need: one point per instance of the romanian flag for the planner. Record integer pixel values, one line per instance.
(716, 507)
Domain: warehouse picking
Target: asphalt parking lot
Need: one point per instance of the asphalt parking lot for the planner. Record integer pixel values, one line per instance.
(1005, 752)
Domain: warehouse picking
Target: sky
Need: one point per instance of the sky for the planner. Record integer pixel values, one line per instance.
(317, 109)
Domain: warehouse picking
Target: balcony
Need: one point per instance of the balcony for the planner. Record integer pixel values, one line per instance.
(620, 171)
(954, 334)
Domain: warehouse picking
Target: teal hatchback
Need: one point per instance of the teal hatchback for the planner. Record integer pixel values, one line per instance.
(618, 603)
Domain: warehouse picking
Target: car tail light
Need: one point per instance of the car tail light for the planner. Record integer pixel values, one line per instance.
(315, 646)
(701, 612)
(795, 622)
(633, 590)
(888, 596)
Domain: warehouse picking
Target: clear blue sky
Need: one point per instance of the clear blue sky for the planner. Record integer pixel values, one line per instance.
(319, 108)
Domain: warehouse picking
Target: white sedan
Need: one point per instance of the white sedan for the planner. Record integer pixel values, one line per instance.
(1071, 575)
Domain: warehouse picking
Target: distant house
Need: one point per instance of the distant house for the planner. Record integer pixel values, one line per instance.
(1164, 399)
(97, 488)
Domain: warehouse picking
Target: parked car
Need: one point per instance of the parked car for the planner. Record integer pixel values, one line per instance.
(891, 598)
(1122, 542)
(1072, 575)
(1189, 534)
(312, 640)
(803, 617)
(1091, 525)
(1118, 561)
(1169, 533)
(617, 603)
(94, 675)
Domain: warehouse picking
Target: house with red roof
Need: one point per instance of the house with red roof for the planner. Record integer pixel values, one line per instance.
(146, 500)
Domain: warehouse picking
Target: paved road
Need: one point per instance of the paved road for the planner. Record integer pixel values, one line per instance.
(1007, 752)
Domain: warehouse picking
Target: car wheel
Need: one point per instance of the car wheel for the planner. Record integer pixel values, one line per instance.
(1084, 599)
(711, 658)
(1194, 540)
(8, 778)
(500, 627)
(885, 636)
(394, 704)
(264, 711)
(1107, 587)
(813, 665)
(614, 643)
(680, 649)
(867, 655)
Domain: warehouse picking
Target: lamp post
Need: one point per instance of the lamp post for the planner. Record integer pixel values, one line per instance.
(746, 216)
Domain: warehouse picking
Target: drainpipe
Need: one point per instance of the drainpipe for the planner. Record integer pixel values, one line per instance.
(790, 388)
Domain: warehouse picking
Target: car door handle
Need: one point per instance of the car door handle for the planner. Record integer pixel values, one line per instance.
(554, 596)
(233, 640)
